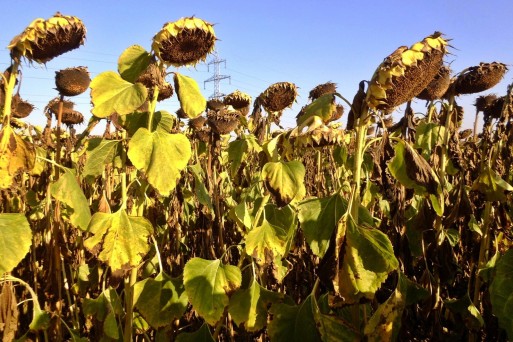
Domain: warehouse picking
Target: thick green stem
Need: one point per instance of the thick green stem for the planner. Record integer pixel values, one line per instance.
(129, 304)
(151, 110)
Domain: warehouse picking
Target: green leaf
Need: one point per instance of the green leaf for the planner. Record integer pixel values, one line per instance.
(15, 239)
(67, 190)
(202, 335)
(236, 153)
(293, 323)
(110, 326)
(368, 258)
(40, 319)
(467, 310)
(284, 218)
(100, 153)
(474, 226)
(209, 283)
(248, 307)
(452, 236)
(427, 136)
(333, 328)
(132, 62)
(107, 301)
(501, 292)
(160, 300)
(112, 94)
(120, 240)
(285, 180)
(412, 170)
(189, 95)
(491, 185)
(318, 218)
(200, 188)
(322, 107)
(161, 156)
(161, 120)
(266, 241)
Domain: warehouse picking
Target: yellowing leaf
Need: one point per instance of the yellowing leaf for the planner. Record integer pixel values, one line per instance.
(285, 180)
(119, 240)
(111, 94)
(16, 155)
(201, 335)
(100, 153)
(266, 239)
(160, 300)
(322, 107)
(15, 239)
(189, 95)
(161, 155)
(249, 306)
(68, 191)
(209, 283)
(132, 62)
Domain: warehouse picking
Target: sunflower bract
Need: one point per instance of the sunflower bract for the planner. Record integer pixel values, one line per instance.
(184, 42)
(44, 40)
(405, 73)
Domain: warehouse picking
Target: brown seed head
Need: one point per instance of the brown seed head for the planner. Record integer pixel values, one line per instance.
(72, 81)
(480, 78)
(278, 96)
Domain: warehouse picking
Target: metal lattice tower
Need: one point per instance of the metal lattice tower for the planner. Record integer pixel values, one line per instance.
(217, 77)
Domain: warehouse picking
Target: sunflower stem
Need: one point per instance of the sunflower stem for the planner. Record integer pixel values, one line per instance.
(9, 89)
(153, 105)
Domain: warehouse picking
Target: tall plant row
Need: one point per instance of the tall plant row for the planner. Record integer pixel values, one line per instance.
(215, 223)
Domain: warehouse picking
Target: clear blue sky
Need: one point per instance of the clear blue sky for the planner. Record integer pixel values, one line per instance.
(304, 42)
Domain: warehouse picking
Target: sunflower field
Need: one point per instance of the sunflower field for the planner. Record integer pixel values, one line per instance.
(215, 223)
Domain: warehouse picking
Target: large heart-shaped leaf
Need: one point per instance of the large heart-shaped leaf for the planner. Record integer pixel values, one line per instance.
(161, 155)
(160, 300)
(285, 180)
(15, 239)
(491, 185)
(501, 292)
(249, 306)
(209, 284)
(111, 94)
(293, 323)
(427, 136)
(367, 259)
(68, 191)
(132, 62)
(322, 107)
(100, 153)
(319, 218)
(189, 95)
(118, 239)
(266, 240)
(16, 155)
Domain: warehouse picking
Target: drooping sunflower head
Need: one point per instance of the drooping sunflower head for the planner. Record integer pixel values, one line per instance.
(71, 118)
(323, 89)
(223, 121)
(482, 103)
(44, 40)
(20, 108)
(239, 101)
(278, 96)
(186, 41)
(72, 81)
(437, 88)
(479, 78)
(405, 73)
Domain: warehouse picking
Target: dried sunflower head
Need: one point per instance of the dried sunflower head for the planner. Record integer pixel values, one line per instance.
(52, 108)
(72, 117)
(437, 88)
(483, 102)
(323, 89)
(43, 39)
(72, 81)
(197, 123)
(238, 100)
(20, 108)
(479, 78)
(223, 121)
(186, 41)
(278, 96)
(405, 73)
